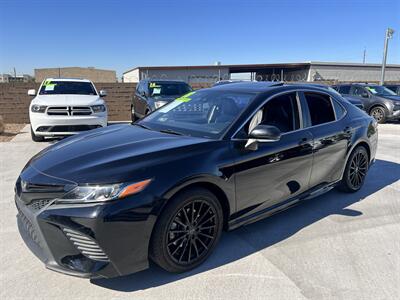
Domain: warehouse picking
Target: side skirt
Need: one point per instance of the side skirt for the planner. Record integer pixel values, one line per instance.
(269, 211)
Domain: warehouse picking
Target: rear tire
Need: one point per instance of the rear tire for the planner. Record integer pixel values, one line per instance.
(187, 231)
(355, 171)
(379, 114)
(36, 138)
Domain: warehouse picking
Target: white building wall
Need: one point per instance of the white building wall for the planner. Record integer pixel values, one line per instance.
(353, 73)
(131, 76)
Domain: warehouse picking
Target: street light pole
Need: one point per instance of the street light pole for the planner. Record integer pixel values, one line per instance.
(388, 35)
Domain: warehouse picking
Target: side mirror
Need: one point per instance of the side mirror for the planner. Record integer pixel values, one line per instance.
(265, 133)
(103, 93)
(143, 94)
(32, 92)
(365, 95)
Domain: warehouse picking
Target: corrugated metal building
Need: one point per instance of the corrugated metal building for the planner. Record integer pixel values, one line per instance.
(304, 71)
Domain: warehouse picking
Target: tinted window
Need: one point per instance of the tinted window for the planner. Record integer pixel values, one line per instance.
(56, 87)
(344, 89)
(380, 90)
(359, 91)
(339, 110)
(320, 107)
(140, 89)
(392, 88)
(160, 89)
(205, 113)
(282, 112)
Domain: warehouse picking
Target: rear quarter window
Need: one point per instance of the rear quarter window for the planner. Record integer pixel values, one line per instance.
(340, 111)
(320, 108)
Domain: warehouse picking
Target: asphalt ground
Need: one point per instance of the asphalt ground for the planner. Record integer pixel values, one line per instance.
(336, 246)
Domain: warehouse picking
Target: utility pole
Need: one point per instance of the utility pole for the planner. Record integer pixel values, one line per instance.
(365, 55)
(388, 35)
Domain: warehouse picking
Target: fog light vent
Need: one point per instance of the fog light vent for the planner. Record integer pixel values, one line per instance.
(86, 245)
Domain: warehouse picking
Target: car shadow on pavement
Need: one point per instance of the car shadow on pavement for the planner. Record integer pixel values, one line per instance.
(249, 239)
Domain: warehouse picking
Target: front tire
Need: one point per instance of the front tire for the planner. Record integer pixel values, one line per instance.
(36, 138)
(355, 171)
(187, 231)
(379, 114)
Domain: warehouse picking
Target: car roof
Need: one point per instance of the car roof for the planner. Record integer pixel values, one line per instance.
(163, 80)
(251, 86)
(355, 83)
(68, 79)
(265, 86)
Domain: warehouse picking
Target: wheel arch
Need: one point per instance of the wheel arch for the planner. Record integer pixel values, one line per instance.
(366, 146)
(214, 188)
(361, 142)
(378, 105)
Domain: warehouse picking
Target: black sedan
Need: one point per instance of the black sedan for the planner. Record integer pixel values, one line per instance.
(105, 202)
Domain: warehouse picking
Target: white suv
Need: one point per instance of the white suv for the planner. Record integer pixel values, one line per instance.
(64, 107)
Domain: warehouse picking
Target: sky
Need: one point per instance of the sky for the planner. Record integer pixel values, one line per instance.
(120, 35)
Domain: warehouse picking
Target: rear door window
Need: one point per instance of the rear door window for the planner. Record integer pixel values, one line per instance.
(320, 108)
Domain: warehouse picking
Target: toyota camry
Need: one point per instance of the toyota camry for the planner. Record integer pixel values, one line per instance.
(105, 202)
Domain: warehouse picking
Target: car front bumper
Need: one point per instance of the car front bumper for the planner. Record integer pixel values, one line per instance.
(88, 240)
(45, 125)
(394, 116)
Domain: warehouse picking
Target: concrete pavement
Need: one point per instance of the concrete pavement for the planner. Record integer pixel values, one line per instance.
(336, 246)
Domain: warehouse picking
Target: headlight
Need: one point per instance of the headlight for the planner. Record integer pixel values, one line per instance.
(158, 104)
(38, 108)
(98, 108)
(102, 193)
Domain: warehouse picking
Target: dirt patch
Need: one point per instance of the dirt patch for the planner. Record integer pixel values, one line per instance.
(10, 130)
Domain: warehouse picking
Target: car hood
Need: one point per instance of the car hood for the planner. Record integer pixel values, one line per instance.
(66, 100)
(117, 153)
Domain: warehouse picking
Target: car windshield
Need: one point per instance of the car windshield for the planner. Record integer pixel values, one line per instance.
(58, 87)
(380, 90)
(203, 113)
(159, 89)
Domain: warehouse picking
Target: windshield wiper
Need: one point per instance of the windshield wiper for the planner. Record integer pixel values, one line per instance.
(170, 131)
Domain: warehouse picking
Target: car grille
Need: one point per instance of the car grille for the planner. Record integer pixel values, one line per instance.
(39, 204)
(66, 128)
(69, 111)
(30, 229)
(86, 245)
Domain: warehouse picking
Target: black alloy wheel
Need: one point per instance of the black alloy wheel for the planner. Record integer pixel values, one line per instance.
(358, 169)
(191, 232)
(379, 114)
(188, 231)
(355, 171)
